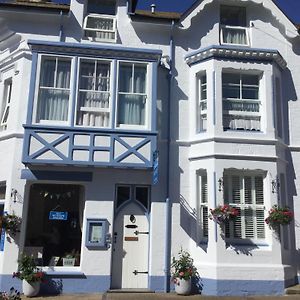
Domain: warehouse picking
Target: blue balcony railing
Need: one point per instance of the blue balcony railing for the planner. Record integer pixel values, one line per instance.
(88, 147)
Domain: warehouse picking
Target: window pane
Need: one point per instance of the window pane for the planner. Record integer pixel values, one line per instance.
(248, 190)
(63, 74)
(53, 105)
(87, 69)
(260, 223)
(54, 224)
(102, 79)
(233, 16)
(237, 229)
(231, 85)
(234, 36)
(125, 78)
(250, 86)
(106, 7)
(2, 190)
(236, 193)
(204, 216)
(142, 195)
(139, 79)
(123, 194)
(132, 109)
(47, 72)
(259, 190)
(249, 223)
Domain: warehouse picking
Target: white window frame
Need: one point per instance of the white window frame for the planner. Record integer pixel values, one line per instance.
(222, 27)
(37, 89)
(7, 96)
(243, 113)
(94, 109)
(231, 27)
(203, 209)
(146, 94)
(101, 16)
(201, 87)
(244, 239)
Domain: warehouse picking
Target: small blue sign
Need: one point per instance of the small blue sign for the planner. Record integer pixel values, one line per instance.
(155, 168)
(58, 215)
(2, 240)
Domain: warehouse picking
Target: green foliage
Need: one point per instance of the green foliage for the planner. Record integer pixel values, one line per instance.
(28, 270)
(183, 267)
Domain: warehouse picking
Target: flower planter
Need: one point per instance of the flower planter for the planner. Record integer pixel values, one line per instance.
(182, 286)
(30, 289)
(68, 262)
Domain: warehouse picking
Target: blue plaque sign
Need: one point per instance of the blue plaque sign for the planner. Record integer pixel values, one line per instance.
(2, 239)
(155, 167)
(58, 215)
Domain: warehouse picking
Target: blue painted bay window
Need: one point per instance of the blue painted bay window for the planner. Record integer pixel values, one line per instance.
(91, 105)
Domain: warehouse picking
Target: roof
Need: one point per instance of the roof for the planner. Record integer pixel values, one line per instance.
(158, 15)
(38, 5)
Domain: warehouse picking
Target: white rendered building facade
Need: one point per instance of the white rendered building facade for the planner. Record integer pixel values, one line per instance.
(121, 128)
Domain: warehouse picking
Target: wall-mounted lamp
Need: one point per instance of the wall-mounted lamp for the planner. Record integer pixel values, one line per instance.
(13, 194)
(221, 184)
(275, 185)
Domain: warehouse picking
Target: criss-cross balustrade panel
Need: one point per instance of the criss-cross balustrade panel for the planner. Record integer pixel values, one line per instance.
(90, 148)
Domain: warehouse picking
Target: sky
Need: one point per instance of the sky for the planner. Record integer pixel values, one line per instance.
(290, 7)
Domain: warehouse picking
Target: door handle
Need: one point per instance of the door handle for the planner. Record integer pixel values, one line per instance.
(135, 272)
(141, 232)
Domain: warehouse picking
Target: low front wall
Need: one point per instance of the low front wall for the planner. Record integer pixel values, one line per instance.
(65, 284)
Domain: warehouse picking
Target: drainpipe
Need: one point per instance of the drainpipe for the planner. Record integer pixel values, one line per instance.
(61, 28)
(168, 201)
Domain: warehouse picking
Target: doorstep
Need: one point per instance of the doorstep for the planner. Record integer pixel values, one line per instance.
(133, 291)
(293, 290)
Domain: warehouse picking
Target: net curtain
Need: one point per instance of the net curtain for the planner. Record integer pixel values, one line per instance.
(53, 100)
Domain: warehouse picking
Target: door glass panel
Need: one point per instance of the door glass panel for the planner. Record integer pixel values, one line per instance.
(142, 195)
(123, 194)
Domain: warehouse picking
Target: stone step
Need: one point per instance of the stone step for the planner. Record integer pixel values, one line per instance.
(293, 290)
(133, 291)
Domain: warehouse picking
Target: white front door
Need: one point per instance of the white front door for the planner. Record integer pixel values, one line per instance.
(130, 248)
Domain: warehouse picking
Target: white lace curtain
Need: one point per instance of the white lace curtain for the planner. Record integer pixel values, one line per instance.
(132, 97)
(94, 93)
(234, 36)
(53, 100)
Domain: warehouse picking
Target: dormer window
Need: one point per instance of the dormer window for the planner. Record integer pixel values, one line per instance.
(100, 21)
(233, 25)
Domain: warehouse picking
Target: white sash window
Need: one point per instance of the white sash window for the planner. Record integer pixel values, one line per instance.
(202, 103)
(245, 192)
(54, 90)
(132, 94)
(94, 93)
(203, 201)
(6, 103)
(241, 103)
(233, 28)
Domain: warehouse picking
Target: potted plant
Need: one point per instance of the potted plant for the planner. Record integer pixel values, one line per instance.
(30, 275)
(223, 213)
(70, 258)
(279, 216)
(13, 294)
(183, 270)
(11, 223)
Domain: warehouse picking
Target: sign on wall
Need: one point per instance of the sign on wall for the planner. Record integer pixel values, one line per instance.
(58, 215)
(155, 168)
